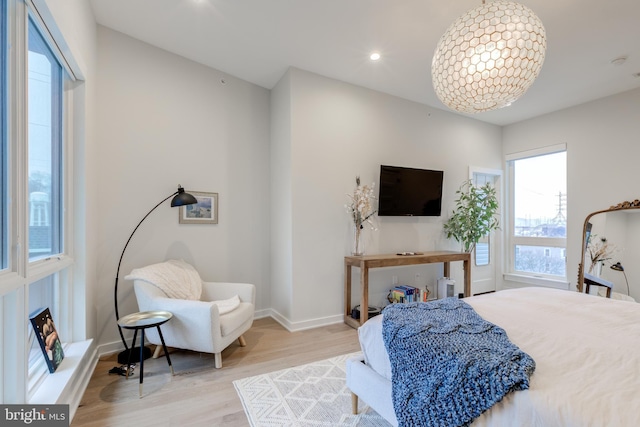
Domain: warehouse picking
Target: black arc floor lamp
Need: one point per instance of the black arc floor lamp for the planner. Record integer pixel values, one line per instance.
(180, 198)
(618, 267)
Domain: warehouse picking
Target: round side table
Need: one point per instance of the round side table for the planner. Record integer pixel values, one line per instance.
(139, 322)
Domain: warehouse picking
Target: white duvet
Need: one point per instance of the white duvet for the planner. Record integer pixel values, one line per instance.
(587, 353)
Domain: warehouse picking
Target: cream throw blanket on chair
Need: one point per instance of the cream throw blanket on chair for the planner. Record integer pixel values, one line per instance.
(175, 278)
(179, 280)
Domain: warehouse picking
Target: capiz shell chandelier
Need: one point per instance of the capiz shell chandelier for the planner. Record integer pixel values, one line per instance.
(488, 57)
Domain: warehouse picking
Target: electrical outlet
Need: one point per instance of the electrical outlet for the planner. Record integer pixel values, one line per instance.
(416, 280)
(394, 280)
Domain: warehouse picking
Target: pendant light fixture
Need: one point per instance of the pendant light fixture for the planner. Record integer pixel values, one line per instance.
(488, 57)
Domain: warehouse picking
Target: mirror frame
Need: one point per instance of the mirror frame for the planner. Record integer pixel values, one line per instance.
(619, 207)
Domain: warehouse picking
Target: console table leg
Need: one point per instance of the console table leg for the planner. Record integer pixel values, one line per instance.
(467, 278)
(364, 301)
(347, 290)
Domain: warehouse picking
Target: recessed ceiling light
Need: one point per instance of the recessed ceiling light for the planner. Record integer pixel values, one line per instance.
(374, 56)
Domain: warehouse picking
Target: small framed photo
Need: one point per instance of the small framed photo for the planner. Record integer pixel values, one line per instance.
(203, 212)
(47, 336)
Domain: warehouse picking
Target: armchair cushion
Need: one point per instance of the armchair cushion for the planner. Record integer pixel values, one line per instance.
(233, 320)
(175, 278)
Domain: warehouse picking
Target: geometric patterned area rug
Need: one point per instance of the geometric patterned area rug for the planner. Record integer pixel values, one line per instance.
(315, 394)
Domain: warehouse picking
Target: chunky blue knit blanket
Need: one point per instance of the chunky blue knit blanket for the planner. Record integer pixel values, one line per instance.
(448, 364)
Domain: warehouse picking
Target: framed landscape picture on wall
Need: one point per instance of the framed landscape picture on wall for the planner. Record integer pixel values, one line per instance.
(203, 212)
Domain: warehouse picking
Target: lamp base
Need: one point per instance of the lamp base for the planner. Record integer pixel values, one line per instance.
(123, 357)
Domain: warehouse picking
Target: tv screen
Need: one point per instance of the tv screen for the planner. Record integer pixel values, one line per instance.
(409, 192)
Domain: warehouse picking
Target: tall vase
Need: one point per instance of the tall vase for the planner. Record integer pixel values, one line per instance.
(596, 269)
(358, 246)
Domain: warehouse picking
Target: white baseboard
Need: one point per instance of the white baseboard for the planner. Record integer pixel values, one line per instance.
(116, 346)
(261, 314)
(305, 324)
(109, 348)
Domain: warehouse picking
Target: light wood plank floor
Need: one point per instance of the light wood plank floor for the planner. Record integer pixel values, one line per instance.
(198, 394)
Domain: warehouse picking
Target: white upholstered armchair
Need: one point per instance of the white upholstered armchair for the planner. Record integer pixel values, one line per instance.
(207, 316)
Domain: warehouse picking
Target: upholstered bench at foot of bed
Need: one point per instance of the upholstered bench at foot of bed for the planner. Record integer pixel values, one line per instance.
(371, 387)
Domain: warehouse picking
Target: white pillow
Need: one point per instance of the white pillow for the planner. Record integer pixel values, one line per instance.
(373, 348)
(227, 305)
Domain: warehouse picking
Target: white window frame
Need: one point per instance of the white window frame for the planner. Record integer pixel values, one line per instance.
(497, 234)
(513, 241)
(19, 384)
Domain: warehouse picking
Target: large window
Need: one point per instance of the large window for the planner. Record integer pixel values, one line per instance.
(538, 212)
(45, 173)
(34, 210)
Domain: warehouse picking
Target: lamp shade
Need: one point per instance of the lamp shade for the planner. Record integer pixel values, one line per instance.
(182, 198)
(617, 266)
(488, 57)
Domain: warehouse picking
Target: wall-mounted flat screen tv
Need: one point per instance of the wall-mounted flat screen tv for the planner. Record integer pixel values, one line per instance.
(409, 192)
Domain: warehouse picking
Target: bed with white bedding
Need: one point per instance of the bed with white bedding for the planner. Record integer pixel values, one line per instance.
(586, 349)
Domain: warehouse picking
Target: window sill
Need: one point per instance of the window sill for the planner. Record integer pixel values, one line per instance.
(67, 384)
(537, 281)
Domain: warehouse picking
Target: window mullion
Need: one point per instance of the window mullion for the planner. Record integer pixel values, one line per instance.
(15, 301)
(42, 268)
(539, 241)
(18, 134)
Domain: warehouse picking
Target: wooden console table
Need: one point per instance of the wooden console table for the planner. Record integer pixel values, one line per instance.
(392, 260)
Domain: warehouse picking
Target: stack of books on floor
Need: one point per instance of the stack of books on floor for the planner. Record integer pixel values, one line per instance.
(402, 293)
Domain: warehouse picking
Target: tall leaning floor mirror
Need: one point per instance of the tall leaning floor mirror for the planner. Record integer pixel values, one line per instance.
(610, 262)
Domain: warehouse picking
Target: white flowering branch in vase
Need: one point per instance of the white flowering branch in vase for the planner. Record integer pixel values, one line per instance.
(599, 250)
(361, 210)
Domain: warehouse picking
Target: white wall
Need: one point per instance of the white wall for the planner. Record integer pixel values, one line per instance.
(602, 156)
(281, 211)
(339, 131)
(164, 121)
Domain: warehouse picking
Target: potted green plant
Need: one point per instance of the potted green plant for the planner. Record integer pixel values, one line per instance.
(474, 215)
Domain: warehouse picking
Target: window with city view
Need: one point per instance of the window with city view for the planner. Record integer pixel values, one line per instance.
(539, 214)
(45, 155)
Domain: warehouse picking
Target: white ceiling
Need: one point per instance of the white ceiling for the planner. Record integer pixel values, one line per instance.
(257, 40)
